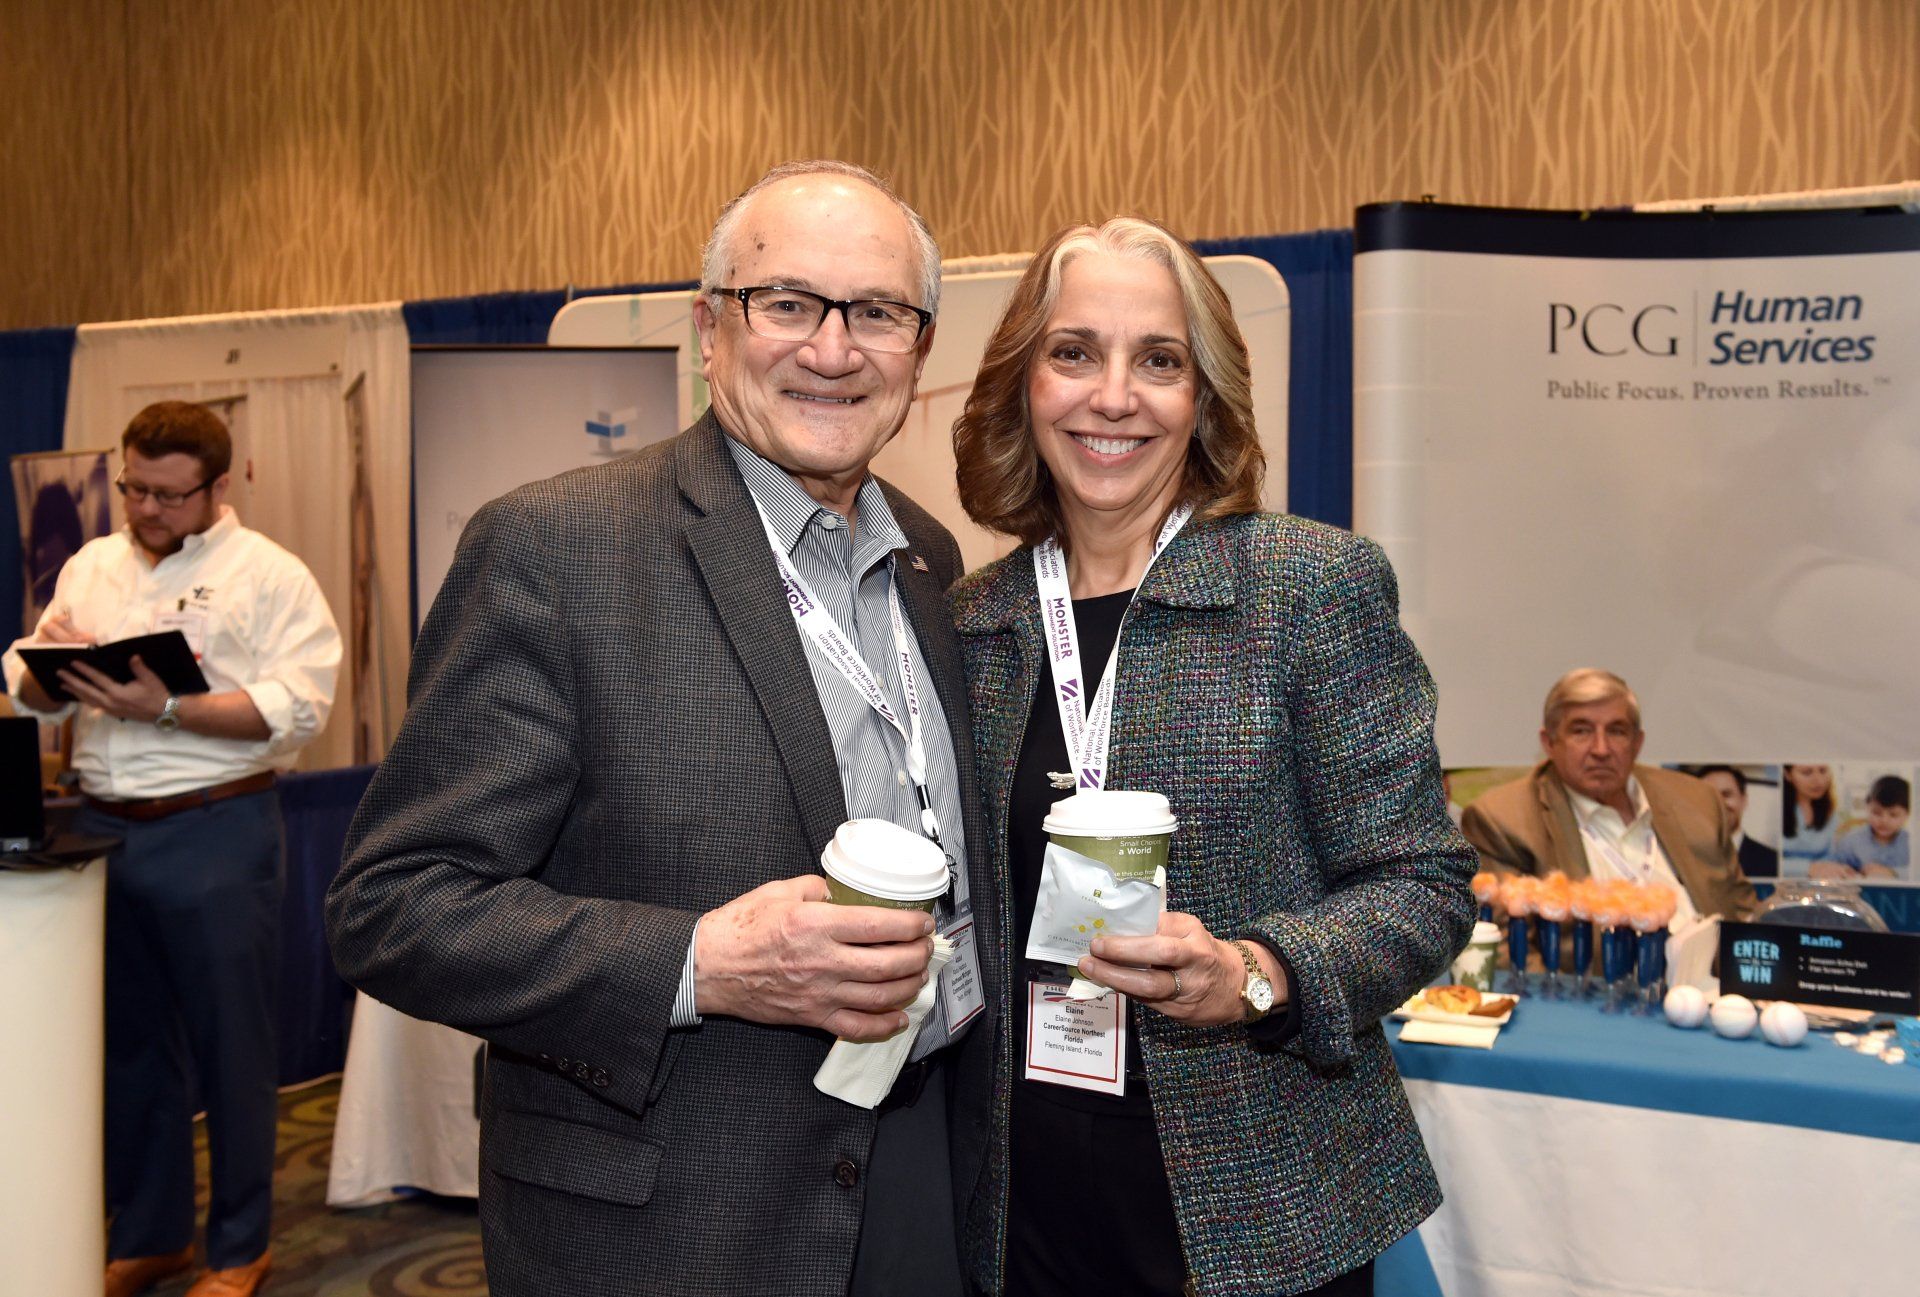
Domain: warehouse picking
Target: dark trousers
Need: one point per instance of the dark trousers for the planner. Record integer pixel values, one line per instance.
(907, 1229)
(1074, 1153)
(193, 918)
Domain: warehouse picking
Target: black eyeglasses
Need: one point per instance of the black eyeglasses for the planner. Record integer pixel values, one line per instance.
(165, 499)
(794, 315)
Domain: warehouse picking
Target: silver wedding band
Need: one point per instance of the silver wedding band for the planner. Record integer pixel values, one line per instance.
(1176, 983)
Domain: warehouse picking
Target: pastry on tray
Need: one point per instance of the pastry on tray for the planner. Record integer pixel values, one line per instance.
(1452, 999)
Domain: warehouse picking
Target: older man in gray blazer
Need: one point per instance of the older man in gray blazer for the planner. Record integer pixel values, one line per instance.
(595, 840)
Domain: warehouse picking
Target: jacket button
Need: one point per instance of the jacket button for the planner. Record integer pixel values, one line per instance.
(580, 1071)
(600, 1077)
(563, 1064)
(845, 1174)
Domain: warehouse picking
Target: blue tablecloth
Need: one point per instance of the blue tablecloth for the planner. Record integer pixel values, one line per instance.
(1570, 1049)
(314, 1002)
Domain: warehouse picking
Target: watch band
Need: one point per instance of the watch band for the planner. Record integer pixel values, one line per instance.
(1254, 974)
(169, 717)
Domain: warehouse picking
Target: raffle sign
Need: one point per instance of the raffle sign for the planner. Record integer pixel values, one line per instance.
(1842, 968)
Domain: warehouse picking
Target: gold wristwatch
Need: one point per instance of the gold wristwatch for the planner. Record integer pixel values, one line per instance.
(1257, 995)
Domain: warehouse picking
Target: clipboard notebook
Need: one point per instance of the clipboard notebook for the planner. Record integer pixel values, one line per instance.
(166, 654)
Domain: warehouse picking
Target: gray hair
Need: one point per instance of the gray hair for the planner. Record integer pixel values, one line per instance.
(713, 273)
(1584, 685)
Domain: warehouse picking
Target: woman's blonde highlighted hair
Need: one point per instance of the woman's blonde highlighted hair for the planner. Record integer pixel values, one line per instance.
(1004, 484)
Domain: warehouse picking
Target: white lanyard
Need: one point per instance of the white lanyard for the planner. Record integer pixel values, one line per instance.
(838, 648)
(1641, 873)
(1087, 729)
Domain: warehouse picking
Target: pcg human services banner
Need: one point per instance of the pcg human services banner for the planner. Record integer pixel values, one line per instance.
(1684, 447)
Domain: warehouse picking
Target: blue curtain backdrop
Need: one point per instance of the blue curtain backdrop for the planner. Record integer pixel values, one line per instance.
(34, 365)
(1318, 270)
(317, 807)
(500, 319)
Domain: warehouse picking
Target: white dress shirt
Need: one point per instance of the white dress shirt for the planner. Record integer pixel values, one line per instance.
(257, 622)
(1619, 848)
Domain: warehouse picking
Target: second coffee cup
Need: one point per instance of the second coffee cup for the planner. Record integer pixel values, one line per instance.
(876, 862)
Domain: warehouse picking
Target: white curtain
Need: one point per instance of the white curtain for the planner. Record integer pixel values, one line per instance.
(284, 381)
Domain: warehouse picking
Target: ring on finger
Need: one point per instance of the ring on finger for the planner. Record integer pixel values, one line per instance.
(1176, 983)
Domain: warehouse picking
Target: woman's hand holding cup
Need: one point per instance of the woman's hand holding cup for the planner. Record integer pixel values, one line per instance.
(1182, 971)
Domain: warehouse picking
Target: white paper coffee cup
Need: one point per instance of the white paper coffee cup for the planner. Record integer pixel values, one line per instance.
(1127, 832)
(876, 862)
(1474, 965)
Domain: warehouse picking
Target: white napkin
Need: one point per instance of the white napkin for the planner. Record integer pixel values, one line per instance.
(1083, 989)
(1691, 951)
(1449, 1033)
(861, 1072)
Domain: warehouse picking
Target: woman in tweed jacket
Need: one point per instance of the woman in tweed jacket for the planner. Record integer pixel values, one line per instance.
(1264, 686)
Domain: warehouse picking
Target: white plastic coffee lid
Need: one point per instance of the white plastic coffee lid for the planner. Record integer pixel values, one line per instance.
(1107, 813)
(882, 859)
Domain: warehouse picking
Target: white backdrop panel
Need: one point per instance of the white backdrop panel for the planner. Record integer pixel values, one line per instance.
(1740, 541)
(489, 419)
(282, 379)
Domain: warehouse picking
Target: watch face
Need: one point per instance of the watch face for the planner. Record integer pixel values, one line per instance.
(1260, 994)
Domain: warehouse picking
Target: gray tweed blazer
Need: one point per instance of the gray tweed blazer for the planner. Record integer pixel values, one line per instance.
(612, 729)
(1268, 691)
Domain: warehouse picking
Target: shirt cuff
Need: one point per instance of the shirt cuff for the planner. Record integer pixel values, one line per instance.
(684, 1014)
(16, 685)
(21, 707)
(274, 702)
(1276, 1029)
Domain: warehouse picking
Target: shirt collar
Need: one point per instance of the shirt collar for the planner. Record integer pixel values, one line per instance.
(225, 523)
(789, 509)
(1586, 808)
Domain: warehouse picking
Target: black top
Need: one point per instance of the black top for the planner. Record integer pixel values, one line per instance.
(1096, 622)
(1097, 625)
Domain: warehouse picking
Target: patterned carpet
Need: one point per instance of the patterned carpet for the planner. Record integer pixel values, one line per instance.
(419, 1247)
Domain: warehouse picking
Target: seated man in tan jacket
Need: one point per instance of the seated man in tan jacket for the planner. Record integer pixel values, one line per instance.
(1589, 811)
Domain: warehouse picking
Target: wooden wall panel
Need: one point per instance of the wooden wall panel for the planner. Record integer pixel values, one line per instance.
(63, 162)
(210, 155)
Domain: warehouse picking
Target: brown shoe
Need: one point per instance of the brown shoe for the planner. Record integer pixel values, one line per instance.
(135, 1274)
(238, 1281)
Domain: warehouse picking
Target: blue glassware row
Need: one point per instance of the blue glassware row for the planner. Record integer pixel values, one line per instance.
(1624, 953)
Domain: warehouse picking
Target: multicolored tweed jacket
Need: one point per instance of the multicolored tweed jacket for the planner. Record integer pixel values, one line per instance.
(1266, 688)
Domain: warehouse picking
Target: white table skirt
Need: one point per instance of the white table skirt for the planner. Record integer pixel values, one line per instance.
(406, 1110)
(53, 1234)
(1553, 1197)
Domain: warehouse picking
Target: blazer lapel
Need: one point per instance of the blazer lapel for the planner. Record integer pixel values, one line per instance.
(730, 550)
(1674, 842)
(1563, 830)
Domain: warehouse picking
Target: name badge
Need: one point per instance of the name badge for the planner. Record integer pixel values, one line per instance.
(190, 623)
(1077, 1043)
(961, 995)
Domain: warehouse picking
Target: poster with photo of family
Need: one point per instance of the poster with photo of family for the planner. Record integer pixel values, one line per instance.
(1847, 820)
(1841, 821)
